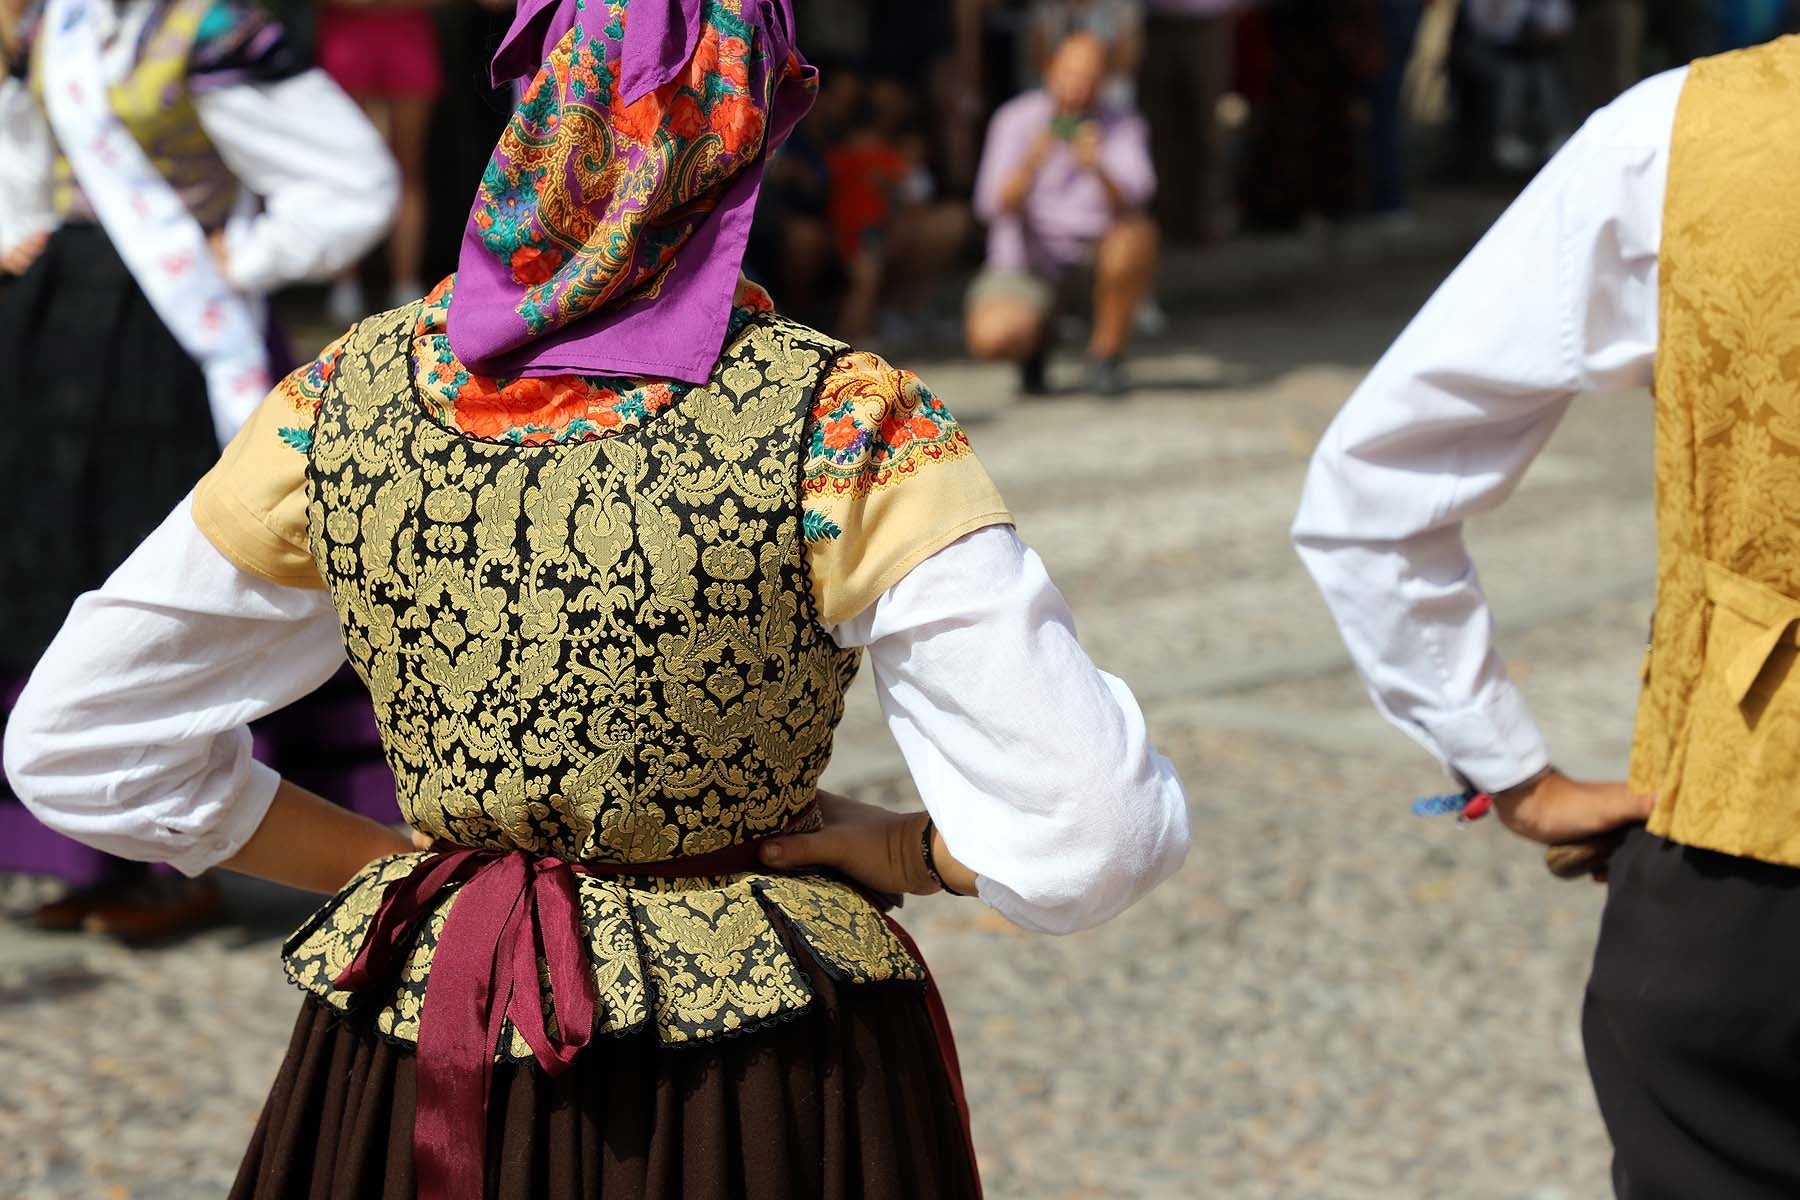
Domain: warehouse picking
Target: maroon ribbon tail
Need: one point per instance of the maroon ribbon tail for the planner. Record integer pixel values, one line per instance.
(511, 910)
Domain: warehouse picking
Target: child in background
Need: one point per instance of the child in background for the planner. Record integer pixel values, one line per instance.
(894, 236)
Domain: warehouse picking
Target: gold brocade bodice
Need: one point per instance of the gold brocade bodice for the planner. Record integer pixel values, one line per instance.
(601, 651)
(1718, 735)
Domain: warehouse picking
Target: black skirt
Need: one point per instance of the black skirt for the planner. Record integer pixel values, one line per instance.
(104, 426)
(852, 1101)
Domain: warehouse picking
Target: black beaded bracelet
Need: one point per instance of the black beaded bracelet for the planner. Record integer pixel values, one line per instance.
(930, 856)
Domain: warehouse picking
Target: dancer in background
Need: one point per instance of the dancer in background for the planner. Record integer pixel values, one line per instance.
(166, 165)
(385, 53)
(1655, 251)
(608, 538)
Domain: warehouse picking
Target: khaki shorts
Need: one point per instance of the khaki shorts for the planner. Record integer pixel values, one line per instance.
(1042, 295)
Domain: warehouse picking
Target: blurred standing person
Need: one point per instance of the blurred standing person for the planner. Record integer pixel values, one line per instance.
(1747, 22)
(167, 163)
(1187, 68)
(385, 53)
(1306, 164)
(1387, 119)
(1532, 115)
(1654, 252)
(1611, 37)
(1064, 181)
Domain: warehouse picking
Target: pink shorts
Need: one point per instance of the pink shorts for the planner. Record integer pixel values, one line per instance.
(389, 52)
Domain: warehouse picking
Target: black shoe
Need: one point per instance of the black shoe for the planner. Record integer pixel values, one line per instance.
(1034, 374)
(1106, 377)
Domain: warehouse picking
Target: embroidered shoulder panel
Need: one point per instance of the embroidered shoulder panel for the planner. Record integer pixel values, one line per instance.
(602, 650)
(303, 389)
(872, 426)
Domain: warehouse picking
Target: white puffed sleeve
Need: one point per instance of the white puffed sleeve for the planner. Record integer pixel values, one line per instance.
(26, 154)
(1036, 765)
(327, 183)
(132, 735)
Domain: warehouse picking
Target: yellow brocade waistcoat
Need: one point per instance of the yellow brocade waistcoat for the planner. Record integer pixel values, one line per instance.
(1718, 733)
(154, 104)
(604, 651)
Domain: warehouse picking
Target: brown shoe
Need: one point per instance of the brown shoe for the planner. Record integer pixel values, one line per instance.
(71, 912)
(158, 910)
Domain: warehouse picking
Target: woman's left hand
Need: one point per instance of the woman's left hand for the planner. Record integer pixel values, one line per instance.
(877, 848)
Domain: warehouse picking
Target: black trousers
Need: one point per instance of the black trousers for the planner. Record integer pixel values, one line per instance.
(1692, 1024)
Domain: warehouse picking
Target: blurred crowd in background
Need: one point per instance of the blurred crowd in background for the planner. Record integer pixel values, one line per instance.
(995, 176)
(939, 192)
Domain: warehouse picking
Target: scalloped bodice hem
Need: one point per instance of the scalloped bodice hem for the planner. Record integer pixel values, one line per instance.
(695, 960)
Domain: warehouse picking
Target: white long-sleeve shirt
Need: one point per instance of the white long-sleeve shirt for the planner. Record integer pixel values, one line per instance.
(326, 183)
(1559, 299)
(1037, 767)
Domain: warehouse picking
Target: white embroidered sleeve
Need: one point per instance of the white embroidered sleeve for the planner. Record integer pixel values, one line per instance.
(25, 156)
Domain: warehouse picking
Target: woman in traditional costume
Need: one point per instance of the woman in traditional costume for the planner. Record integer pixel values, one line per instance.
(608, 538)
(166, 164)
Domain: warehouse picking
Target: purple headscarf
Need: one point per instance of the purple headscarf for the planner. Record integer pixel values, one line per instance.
(609, 229)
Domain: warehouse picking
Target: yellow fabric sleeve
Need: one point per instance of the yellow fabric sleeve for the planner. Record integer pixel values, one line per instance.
(252, 504)
(890, 480)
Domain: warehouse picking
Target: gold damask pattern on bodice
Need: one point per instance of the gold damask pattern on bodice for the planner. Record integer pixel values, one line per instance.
(1718, 735)
(603, 651)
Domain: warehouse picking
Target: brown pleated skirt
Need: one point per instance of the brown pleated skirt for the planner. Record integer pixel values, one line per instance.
(851, 1101)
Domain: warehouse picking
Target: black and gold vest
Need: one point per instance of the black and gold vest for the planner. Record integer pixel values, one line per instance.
(602, 651)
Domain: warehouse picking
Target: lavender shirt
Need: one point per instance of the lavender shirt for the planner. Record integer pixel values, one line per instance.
(1068, 208)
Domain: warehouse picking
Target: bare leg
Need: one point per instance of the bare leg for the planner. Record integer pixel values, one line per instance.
(408, 135)
(1123, 266)
(1003, 328)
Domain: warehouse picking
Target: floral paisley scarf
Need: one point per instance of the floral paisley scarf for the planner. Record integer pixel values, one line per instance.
(609, 229)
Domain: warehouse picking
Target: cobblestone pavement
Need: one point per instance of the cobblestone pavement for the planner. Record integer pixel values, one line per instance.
(1331, 1001)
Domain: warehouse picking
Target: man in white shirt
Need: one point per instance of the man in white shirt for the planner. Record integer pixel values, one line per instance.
(1656, 247)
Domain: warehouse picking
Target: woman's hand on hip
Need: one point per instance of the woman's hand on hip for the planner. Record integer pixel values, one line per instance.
(18, 260)
(877, 848)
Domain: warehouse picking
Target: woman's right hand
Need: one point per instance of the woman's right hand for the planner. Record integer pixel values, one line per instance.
(18, 260)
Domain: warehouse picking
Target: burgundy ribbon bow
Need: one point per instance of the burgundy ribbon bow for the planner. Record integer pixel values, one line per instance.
(512, 910)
